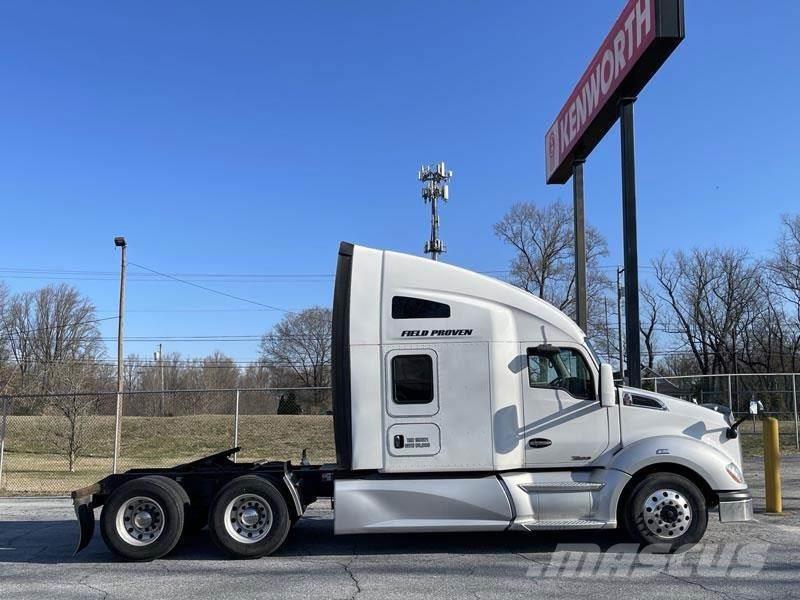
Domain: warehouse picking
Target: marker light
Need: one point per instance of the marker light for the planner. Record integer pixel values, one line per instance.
(735, 473)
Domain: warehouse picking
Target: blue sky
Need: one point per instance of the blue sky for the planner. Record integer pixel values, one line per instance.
(251, 137)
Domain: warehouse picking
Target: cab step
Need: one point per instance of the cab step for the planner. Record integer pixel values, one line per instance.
(559, 524)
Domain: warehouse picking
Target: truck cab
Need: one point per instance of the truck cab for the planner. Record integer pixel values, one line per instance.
(440, 370)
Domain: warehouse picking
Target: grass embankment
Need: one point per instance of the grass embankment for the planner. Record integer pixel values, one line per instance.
(33, 465)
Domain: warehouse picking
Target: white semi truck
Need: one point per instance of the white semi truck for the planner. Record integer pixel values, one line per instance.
(460, 403)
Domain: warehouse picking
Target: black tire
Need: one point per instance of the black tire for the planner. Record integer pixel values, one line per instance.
(227, 516)
(165, 511)
(659, 508)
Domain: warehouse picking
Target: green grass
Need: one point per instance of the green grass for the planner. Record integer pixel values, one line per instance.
(33, 465)
(752, 439)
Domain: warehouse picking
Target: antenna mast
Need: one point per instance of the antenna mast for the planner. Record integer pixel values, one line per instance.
(436, 179)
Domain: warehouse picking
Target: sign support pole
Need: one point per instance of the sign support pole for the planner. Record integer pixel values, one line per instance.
(581, 311)
(630, 244)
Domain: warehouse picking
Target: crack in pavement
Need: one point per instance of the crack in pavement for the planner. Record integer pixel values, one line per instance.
(91, 587)
(700, 585)
(529, 559)
(349, 571)
(784, 544)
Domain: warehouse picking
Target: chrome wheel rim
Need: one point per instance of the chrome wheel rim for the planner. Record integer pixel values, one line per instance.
(140, 521)
(667, 513)
(248, 518)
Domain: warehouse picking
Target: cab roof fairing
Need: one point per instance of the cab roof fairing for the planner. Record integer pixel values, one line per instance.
(404, 273)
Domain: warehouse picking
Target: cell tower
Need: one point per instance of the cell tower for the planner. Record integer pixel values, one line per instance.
(436, 179)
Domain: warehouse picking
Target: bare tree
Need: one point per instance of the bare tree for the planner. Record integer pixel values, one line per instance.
(48, 328)
(648, 321)
(6, 367)
(544, 260)
(712, 295)
(782, 326)
(16, 325)
(72, 408)
(256, 375)
(219, 371)
(298, 349)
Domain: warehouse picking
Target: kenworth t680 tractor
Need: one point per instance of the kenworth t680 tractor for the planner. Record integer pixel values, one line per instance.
(460, 403)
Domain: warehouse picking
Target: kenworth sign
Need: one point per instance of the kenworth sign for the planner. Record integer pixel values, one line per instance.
(642, 38)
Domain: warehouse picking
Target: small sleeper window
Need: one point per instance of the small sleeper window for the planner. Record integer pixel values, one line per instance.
(405, 307)
(412, 379)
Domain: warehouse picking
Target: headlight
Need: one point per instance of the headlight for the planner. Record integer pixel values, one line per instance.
(735, 472)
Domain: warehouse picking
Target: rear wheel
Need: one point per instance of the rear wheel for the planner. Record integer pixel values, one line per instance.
(666, 509)
(143, 519)
(249, 518)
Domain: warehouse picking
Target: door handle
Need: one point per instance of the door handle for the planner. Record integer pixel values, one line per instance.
(539, 442)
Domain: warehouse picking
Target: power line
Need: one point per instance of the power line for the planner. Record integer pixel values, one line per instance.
(91, 275)
(208, 289)
(181, 363)
(113, 275)
(212, 338)
(189, 310)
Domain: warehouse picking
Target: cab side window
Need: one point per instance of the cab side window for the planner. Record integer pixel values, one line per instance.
(405, 307)
(412, 379)
(565, 369)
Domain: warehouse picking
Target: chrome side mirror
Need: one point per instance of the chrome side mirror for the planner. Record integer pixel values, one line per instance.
(608, 391)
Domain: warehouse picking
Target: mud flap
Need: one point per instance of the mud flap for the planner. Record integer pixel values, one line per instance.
(85, 515)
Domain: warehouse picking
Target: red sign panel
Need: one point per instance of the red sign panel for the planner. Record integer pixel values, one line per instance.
(640, 40)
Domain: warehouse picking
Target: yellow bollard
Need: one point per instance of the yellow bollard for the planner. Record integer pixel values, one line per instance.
(772, 465)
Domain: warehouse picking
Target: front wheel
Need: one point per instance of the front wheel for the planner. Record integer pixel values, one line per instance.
(666, 509)
(249, 518)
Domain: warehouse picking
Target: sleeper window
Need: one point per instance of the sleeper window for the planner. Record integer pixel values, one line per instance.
(560, 368)
(412, 379)
(405, 307)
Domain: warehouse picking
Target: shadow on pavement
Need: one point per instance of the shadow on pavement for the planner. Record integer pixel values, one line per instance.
(53, 542)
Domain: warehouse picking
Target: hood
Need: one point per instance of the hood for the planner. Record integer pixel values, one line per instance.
(673, 416)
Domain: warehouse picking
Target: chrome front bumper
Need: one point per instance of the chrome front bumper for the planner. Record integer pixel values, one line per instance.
(735, 507)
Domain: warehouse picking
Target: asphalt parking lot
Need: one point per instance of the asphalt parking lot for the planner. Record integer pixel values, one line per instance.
(750, 560)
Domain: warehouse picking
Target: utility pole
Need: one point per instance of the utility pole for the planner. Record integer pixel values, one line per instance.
(119, 242)
(436, 179)
(620, 271)
(159, 357)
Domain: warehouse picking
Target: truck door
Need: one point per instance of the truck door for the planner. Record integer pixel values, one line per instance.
(437, 411)
(564, 424)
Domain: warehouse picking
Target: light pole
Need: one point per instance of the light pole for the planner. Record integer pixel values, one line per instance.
(119, 242)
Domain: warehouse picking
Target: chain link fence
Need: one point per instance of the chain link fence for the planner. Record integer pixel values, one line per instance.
(776, 393)
(55, 443)
(51, 444)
